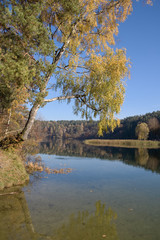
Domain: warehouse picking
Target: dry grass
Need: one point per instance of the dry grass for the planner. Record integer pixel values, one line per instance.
(35, 165)
(32, 167)
(12, 170)
(123, 143)
(62, 171)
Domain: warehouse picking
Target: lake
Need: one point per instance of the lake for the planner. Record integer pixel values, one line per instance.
(111, 193)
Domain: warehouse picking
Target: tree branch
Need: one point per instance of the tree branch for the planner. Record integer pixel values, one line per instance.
(110, 5)
(61, 98)
(80, 97)
(78, 72)
(90, 106)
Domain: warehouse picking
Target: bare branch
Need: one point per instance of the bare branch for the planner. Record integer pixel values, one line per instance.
(61, 98)
(74, 66)
(53, 34)
(90, 105)
(80, 97)
(110, 5)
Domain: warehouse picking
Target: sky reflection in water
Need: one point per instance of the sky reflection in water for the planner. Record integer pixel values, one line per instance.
(100, 199)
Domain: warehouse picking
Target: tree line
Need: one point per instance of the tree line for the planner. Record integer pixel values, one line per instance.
(49, 130)
(127, 129)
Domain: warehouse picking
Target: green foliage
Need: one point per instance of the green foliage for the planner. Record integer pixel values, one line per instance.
(12, 120)
(6, 96)
(65, 46)
(23, 37)
(71, 7)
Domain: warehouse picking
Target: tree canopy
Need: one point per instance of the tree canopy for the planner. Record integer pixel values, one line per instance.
(66, 47)
(142, 131)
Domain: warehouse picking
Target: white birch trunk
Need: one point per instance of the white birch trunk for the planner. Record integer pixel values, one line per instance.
(31, 118)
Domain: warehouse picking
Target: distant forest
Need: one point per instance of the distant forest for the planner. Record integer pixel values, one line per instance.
(47, 130)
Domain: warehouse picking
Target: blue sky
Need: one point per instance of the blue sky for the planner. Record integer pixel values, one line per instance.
(140, 35)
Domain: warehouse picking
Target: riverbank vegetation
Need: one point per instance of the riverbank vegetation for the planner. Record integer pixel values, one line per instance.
(12, 169)
(34, 164)
(15, 168)
(123, 143)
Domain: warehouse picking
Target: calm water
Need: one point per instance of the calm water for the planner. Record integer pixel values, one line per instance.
(111, 194)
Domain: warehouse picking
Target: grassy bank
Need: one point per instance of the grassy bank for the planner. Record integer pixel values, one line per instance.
(12, 170)
(123, 143)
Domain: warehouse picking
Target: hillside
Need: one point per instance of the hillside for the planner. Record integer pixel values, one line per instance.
(44, 130)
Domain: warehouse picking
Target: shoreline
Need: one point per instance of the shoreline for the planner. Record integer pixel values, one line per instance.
(12, 169)
(124, 143)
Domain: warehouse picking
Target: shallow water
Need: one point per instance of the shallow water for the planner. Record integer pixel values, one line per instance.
(99, 199)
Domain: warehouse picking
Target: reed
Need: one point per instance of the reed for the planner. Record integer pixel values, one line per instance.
(127, 143)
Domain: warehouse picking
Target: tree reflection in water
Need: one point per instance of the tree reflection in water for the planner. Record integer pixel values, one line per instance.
(99, 225)
(15, 219)
(141, 156)
(146, 158)
(16, 222)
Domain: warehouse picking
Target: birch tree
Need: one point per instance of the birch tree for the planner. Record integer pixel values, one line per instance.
(66, 47)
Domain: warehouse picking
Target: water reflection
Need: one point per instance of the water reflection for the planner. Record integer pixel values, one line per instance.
(146, 158)
(58, 207)
(141, 156)
(16, 222)
(86, 226)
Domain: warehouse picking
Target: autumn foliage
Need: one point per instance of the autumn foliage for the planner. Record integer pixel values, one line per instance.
(63, 47)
